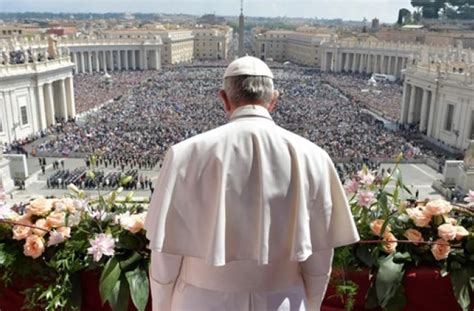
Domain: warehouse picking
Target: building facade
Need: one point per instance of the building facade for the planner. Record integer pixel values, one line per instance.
(212, 43)
(438, 98)
(299, 47)
(108, 55)
(35, 95)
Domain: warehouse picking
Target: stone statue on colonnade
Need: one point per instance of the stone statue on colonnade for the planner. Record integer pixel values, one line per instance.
(53, 47)
(469, 156)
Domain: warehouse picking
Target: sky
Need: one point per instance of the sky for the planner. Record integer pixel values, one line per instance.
(385, 10)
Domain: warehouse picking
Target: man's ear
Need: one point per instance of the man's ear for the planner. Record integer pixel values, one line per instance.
(225, 100)
(273, 102)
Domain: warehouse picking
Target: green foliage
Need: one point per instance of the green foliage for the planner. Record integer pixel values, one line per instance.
(462, 282)
(388, 280)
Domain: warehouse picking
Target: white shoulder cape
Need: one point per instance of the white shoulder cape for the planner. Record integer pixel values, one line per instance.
(248, 191)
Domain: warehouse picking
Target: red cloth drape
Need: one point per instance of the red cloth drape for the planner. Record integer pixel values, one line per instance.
(425, 290)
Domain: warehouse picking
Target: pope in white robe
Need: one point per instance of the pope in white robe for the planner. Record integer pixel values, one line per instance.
(246, 216)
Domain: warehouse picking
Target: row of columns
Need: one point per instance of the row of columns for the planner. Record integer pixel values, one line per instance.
(55, 101)
(111, 60)
(418, 106)
(368, 62)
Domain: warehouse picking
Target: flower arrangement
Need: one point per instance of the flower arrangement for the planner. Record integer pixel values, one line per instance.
(398, 233)
(51, 241)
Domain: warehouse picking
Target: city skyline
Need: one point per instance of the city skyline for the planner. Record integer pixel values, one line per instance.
(385, 10)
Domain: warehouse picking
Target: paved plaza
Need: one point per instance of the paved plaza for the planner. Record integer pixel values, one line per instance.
(415, 176)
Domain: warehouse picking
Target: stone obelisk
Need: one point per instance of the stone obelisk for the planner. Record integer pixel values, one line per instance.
(241, 30)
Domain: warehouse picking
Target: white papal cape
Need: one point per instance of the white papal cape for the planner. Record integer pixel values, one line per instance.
(243, 217)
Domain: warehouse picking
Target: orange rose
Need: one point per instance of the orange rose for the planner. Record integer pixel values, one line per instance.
(41, 223)
(418, 216)
(461, 232)
(437, 207)
(413, 235)
(34, 246)
(21, 232)
(376, 226)
(440, 250)
(447, 232)
(390, 244)
(56, 219)
(40, 207)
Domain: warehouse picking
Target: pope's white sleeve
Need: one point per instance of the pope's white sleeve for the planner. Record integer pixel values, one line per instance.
(164, 270)
(316, 271)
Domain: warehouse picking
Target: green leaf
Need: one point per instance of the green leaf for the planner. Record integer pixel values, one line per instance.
(120, 295)
(130, 262)
(388, 280)
(460, 280)
(398, 301)
(363, 254)
(371, 301)
(139, 288)
(108, 279)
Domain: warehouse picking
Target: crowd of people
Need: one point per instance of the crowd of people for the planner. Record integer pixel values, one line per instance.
(382, 97)
(162, 108)
(93, 90)
(99, 179)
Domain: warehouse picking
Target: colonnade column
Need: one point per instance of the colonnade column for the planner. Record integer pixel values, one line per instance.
(63, 99)
(97, 62)
(71, 105)
(119, 59)
(74, 60)
(126, 59)
(104, 60)
(134, 61)
(411, 107)
(404, 104)
(424, 111)
(83, 65)
(42, 114)
(397, 71)
(89, 63)
(431, 116)
(49, 105)
(111, 60)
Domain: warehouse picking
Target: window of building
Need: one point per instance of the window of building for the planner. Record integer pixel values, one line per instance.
(1, 126)
(448, 125)
(24, 115)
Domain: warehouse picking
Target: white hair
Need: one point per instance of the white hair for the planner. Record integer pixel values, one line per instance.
(245, 89)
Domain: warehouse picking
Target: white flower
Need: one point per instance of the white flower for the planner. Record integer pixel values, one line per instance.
(102, 244)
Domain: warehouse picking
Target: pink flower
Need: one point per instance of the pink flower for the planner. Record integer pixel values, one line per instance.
(366, 177)
(440, 250)
(366, 198)
(22, 232)
(419, 218)
(437, 207)
(470, 197)
(461, 232)
(7, 213)
(413, 235)
(351, 186)
(376, 226)
(447, 232)
(58, 236)
(102, 244)
(34, 246)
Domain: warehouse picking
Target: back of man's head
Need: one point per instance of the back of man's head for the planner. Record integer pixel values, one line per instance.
(248, 80)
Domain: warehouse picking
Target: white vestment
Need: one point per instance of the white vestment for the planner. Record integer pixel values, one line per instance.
(245, 217)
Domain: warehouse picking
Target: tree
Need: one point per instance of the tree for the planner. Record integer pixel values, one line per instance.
(403, 16)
